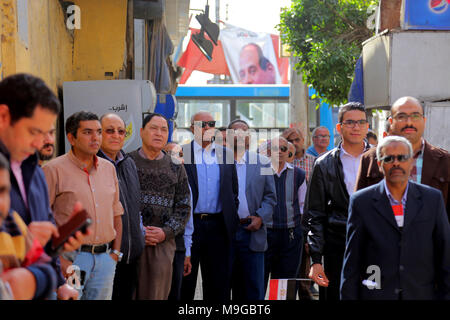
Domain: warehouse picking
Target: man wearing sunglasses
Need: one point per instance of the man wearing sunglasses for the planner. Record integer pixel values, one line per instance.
(113, 138)
(285, 232)
(430, 164)
(213, 180)
(332, 182)
(398, 235)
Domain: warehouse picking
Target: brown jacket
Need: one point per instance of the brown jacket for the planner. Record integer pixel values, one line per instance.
(435, 171)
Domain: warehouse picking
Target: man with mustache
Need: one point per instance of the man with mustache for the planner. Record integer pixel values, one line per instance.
(81, 175)
(430, 164)
(398, 235)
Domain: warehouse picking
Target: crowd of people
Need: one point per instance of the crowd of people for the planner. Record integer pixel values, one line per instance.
(365, 220)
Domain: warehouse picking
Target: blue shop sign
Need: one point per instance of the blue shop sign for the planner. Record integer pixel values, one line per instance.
(427, 14)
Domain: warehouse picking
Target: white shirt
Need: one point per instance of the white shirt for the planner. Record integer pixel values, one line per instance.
(350, 166)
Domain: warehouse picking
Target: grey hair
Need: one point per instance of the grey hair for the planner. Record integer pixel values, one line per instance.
(391, 139)
(199, 112)
(315, 129)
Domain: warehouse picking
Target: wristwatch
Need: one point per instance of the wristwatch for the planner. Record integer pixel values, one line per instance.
(118, 254)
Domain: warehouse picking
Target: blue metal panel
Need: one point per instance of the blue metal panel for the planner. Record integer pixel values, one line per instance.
(167, 106)
(233, 91)
(326, 120)
(427, 14)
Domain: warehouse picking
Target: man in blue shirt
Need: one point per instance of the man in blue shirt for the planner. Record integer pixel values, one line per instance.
(213, 181)
(321, 140)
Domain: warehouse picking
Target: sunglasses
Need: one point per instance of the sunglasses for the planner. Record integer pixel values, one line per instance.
(400, 158)
(121, 132)
(282, 149)
(210, 124)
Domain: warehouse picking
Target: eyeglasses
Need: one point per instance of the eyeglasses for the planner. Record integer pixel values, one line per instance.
(319, 136)
(391, 158)
(282, 149)
(403, 117)
(352, 123)
(210, 124)
(121, 132)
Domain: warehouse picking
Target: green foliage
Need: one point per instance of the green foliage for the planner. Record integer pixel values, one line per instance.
(326, 36)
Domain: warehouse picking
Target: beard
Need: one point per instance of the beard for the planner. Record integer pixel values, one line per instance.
(45, 157)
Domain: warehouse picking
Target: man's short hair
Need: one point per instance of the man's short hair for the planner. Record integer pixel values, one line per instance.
(22, 93)
(73, 122)
(222, 129)
(287, 132)
(350, 106)
(317, 128)
(237, 121)
(4, 164)
(391, 139)
(263, 61)
(150, 116)
(372, 135)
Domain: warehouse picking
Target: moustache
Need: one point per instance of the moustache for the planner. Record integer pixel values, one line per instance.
(396, 169)
(409, 127)
(48, 145)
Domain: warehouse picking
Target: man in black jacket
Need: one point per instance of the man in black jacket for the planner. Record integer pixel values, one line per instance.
(332, 183)
(113, 138)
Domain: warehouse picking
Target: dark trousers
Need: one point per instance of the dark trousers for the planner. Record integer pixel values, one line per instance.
(211, 249)
(248, 269)
(177, 275)
(332, 265)
(125, 280)
(284, 253)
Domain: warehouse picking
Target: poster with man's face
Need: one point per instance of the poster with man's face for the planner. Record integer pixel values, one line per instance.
(250, 56)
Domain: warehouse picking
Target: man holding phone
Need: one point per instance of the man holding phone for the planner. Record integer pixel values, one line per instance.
(28, 109)
(81, 175)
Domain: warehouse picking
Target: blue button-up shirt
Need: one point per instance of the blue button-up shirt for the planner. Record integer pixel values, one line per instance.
(208, 177)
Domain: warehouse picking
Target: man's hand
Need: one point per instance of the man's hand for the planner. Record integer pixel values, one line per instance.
(22, 283)
(317, 274)
(65, 264)
(154, 235)
(43, 231)
(187, 266)
(114, 257)
(255, 225)
(66, 292)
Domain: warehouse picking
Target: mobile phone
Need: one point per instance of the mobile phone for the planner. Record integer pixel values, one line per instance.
(79, 221)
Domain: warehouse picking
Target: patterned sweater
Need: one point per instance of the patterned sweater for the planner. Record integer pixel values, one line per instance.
(165, 197)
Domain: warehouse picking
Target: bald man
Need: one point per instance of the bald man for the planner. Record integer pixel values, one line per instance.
(214, 184)
(430, 165)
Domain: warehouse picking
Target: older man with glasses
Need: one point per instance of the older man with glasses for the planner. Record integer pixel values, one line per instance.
(113, 138)
(430, 163)
(332, 183)
(284, 232)
(214, 184)
(321, 140)
(398, 235)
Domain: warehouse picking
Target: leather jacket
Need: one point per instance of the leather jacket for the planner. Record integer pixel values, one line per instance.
(326, 206)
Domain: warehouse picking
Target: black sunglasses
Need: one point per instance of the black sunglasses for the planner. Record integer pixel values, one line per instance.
(400, 158)
(210, 124)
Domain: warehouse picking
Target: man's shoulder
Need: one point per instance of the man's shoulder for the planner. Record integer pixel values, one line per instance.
(424, 189)
(59, 161)
(436, 151)
(371, 153)
(366, 192)
(327, 157)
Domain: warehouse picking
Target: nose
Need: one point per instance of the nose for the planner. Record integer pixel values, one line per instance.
(38, 143)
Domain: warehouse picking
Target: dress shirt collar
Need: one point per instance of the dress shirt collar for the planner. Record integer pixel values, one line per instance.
(243, 159)
(391, 198)
(287, 165)
(79, 163)
(211, 148)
